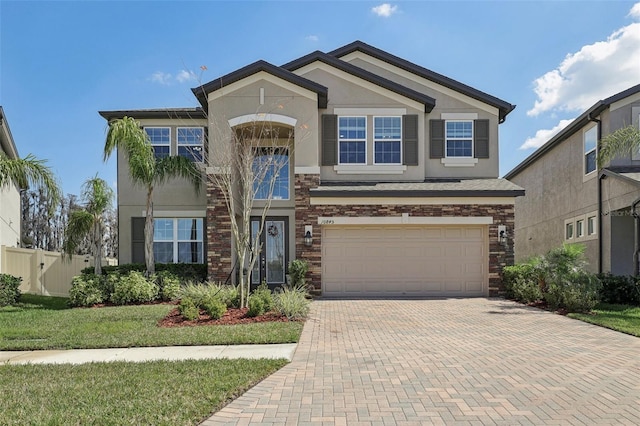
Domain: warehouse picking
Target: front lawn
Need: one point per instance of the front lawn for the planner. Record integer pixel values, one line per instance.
(616, 317)
(151, 393)
(39, 322)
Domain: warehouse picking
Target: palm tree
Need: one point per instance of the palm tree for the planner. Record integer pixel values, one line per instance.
(623, 141)
(146, 171)
(27, 171)
(89, 221)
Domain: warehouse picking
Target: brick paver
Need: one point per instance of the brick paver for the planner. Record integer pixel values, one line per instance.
(455, 361)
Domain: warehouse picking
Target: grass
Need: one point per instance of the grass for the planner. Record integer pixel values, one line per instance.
(158, 393)
(39, 322)
(616, 317)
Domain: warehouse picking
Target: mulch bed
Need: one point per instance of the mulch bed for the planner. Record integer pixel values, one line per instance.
(231, 317)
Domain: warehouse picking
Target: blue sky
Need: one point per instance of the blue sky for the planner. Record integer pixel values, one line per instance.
(62, 61)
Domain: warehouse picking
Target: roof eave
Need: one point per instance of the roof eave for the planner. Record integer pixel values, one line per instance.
(9, 144)
(191, 113)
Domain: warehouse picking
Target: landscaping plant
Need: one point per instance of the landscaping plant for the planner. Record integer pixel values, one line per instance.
(87, 290)
(134, 288)
(292, 303)
(9, 289)
(298, 269)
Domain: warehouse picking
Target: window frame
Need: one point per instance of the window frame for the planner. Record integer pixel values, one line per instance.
(285, 151)
(200, 145)
(447, 138)
(365, 139)
(580, 229)
(593, 224)
(569, 231)
(158, 144)
(398, 140)
(175, 239)
(594, 150)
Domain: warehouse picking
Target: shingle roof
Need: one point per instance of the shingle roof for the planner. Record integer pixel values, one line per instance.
(449, 188)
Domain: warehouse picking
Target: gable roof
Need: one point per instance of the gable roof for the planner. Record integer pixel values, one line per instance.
(428, 101)
(139, 114)
(6, 139)
(504, 107)
(572, 128)
(254, 68)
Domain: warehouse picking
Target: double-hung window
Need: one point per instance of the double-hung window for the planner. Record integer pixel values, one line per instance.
(178, 240)
(271, 174)
(387, 140)
(191, 143)
(590, 149)
(160, 138)
(352, 140)
(459, 138)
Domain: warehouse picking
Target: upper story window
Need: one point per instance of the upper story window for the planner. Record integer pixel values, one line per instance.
(178, 240)
(459, 138)
(590, 149)
(352, 140)
(191, 143)
(160, 138)
(387, 140)
(271, 168)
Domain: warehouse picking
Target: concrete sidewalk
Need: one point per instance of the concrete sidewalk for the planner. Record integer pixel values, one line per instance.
(169, 353)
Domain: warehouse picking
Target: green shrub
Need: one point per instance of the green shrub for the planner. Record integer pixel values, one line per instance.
(526, 291)
(227, 294)
(256, 306)
(214, 307)
(134, 288)
(578, 292)
(510, 274)
(188, 309)
(297, 273)
(263, 292)
(9, 289)
(186, 272)
(87, 290)
(292, 303)
(168, 285)
(624, 290)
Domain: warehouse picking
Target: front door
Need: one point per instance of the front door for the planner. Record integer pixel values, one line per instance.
(273, 258)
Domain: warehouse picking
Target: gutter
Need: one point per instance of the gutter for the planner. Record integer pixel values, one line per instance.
(600, 241)
(636, 238)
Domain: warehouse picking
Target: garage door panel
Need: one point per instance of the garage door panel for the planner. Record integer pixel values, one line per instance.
(404, 260)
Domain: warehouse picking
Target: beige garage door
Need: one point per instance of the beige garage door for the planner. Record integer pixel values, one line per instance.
(404, 261)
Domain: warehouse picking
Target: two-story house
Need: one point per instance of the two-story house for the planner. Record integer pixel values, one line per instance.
(392, 171)
(9, 194)
(569, 200)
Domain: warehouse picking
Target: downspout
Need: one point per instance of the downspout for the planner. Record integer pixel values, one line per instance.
(599, 193)
(636, 238)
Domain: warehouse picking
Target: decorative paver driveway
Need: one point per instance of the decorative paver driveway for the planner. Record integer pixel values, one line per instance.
(457, 361)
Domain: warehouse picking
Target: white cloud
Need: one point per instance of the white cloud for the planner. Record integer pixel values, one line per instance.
(635, 11)
(544, 135)
(161, 78)
(385, 10)
(595, 72)
(184, 76)
(312, 38)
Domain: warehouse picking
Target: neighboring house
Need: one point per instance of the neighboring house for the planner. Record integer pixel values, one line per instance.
(568, 200)
(9, 195)
(393, 171)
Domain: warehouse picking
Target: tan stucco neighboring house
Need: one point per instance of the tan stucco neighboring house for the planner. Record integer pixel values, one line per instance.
(568, 200)
(10, 194)
(393, 170)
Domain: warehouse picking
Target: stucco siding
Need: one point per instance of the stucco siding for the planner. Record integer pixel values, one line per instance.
(624, 116)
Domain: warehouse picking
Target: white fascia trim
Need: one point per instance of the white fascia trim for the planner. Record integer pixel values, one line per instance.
(306, 170)
(459, 116)
(427, 83)
(409, 201)
(262, 116)
(405, 219)
(396, 169)
(624, 102)
(370, 111)
(360, 82)
(459, 162)
(169, 214)
(261, 76)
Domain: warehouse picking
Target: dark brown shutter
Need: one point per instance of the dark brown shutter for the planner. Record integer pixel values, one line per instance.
(137, 239)
(481, 138)
(410, 140)
(436, 138)
(329, 139)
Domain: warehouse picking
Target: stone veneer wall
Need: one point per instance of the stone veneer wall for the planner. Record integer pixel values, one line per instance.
(219, 237)
(306, 214)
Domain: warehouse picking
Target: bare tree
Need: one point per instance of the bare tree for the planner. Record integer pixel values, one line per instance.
(245, 166)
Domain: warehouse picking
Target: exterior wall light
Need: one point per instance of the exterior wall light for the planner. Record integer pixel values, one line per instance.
(308, 238)
(502, 234)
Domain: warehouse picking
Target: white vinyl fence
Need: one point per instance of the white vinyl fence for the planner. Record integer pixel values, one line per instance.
(44, 272)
